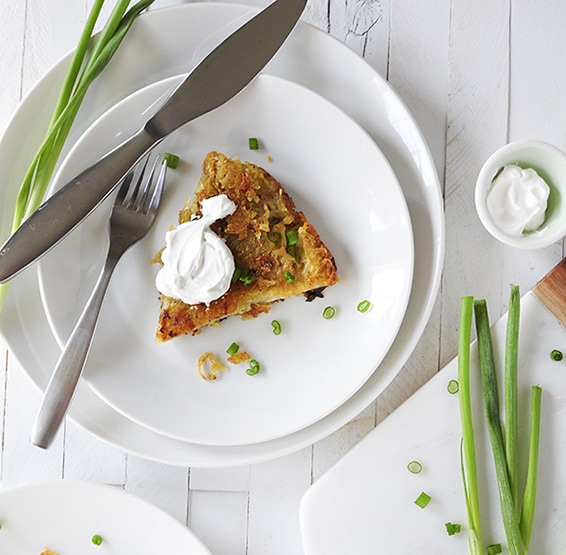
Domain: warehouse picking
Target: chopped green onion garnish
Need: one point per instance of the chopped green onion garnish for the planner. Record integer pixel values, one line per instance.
(233, 349)
(415, 467)
(556, 355)
(452, 529)
(453, 387)
(244, 275)
(423, 500)
(276, 327)
(253, 143)
(274, 237)
(236, 275)
(291, 237)
(364, 306)
(96, 539)
(289, 277)
(254, 367)
(172, 160)
(494, 548)
(328, 312)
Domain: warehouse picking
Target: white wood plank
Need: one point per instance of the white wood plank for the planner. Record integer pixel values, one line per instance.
(12, 25)
(163, 485)
(476, 126)
(89, 458)
(22, 461)
(226, 479)
(52, 30)
(219, 520)
(363, 25)
(3, 399)
(276, 489)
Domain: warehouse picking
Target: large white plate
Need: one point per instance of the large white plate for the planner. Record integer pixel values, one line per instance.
(64, 516)
(337, 175)
(311, 58)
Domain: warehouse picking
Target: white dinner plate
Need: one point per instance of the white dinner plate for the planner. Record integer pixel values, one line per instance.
(336, 174)
(179, 36)
(64, 516)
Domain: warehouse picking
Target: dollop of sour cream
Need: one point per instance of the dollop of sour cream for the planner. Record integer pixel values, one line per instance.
(517, 200)
(197, 264)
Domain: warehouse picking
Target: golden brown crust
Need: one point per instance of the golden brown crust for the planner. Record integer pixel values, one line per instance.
(270, 240)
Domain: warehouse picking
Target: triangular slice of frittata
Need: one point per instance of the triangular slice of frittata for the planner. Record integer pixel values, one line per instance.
(277, 252)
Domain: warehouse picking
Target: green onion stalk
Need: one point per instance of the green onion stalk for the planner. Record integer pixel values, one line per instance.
(91, 57)
(511, 393)
(496, 436)
(468, 451)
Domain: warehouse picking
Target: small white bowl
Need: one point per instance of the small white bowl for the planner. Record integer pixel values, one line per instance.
(550, 163)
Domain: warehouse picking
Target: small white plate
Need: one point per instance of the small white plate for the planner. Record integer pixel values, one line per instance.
(65, 515)
(339, 178)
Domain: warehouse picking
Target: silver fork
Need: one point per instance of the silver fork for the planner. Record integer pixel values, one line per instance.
(132, 216)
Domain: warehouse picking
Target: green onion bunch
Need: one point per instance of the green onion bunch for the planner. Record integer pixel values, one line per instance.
(517, 514)
(91, 57)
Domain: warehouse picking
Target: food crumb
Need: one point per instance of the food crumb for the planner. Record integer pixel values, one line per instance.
(209, 372)
(239, 357)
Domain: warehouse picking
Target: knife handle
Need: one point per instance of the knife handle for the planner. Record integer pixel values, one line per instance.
(67, 207)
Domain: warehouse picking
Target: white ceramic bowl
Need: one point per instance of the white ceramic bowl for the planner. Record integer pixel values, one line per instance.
(550, 163)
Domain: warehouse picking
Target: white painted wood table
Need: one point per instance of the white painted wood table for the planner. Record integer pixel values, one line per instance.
(475, 75)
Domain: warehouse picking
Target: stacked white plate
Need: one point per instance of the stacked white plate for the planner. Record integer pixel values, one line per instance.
(347, 150)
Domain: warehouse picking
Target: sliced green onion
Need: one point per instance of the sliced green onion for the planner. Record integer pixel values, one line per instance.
(494, 549)
(453, 387)
(96, 539)
(253, 143)
(452, 529)
(233, 349)
(423, 500)
(328, 312)
(276, 327)
(364, 306)
(274, 237)
(254, 367)
(289, 277)
(556, 355)
(236, 275)
(414, 467)
(244, 275)
(291, 237)
(172, 160)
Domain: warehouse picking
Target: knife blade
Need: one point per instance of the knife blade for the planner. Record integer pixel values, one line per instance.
(216, 79)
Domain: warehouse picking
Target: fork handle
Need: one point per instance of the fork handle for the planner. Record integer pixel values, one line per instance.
(70, 365)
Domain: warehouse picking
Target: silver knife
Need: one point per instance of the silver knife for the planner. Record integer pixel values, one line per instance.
(219, 77)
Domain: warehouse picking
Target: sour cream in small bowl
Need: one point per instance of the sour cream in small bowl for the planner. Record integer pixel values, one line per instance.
(520, 194)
